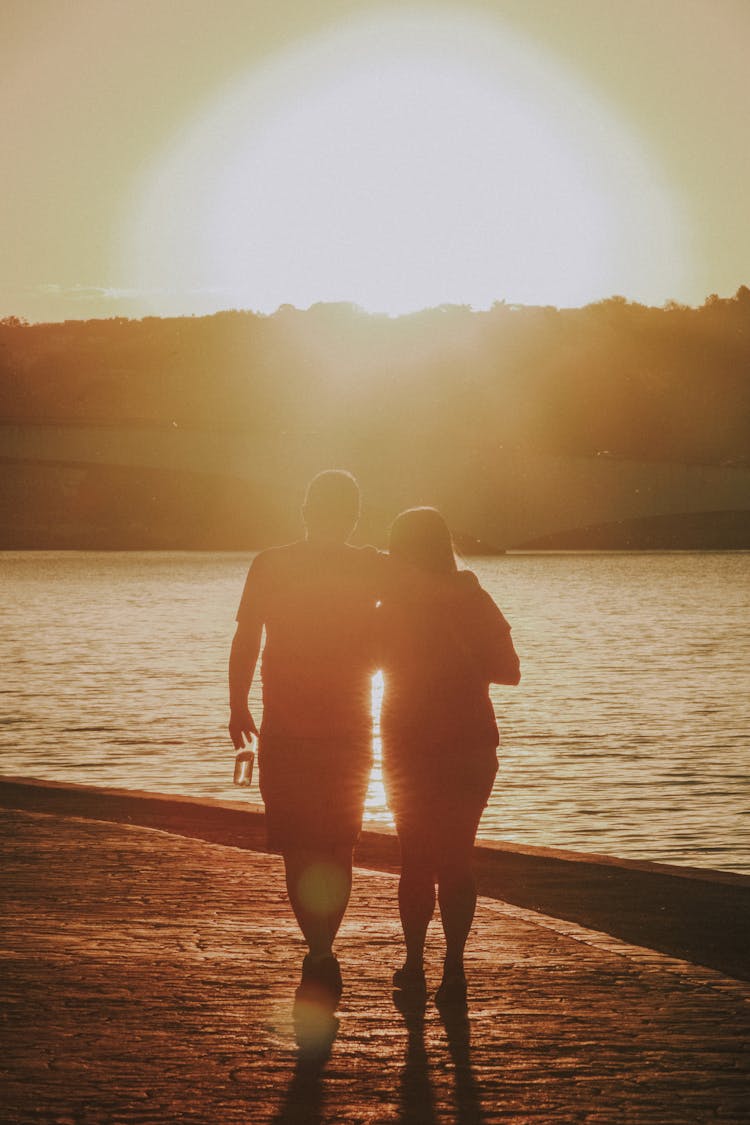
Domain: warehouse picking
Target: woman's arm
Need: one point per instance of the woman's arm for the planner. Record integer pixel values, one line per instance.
(498, 652)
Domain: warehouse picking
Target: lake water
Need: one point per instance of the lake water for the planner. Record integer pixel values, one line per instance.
(627, 735)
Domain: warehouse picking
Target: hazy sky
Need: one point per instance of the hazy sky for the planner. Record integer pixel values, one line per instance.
(181, 156)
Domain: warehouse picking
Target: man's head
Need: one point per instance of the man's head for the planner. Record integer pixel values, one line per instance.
(331, 508)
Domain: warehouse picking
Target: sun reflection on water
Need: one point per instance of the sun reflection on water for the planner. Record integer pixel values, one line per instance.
(376, 808)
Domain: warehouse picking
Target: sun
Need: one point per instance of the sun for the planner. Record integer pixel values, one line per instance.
(397, 164)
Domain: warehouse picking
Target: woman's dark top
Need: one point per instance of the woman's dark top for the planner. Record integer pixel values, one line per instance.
(443, 642)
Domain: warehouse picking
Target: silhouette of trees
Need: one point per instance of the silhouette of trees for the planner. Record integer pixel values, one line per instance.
(669, 383)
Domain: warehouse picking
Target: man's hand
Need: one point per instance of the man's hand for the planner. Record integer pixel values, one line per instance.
(242, 728)
(242, 661)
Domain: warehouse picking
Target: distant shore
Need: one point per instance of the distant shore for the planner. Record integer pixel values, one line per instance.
(56, 506)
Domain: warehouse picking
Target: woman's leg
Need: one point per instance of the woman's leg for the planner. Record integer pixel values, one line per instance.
(457, 896)
(457, 891)
(416, 897)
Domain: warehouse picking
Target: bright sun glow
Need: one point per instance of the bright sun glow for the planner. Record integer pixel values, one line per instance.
(401, 164)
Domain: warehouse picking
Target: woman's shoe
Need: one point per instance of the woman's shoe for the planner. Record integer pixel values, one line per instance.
(452, 989)
(410, 980)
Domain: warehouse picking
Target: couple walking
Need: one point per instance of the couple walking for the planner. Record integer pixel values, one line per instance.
(333, 614)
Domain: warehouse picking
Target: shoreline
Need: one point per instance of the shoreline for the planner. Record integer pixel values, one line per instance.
(246, 552)
(695, 914)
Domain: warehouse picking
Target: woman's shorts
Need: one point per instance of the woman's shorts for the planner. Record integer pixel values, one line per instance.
(313, 790)
(437, 799)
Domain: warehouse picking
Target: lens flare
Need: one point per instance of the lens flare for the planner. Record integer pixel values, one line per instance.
(323, 888)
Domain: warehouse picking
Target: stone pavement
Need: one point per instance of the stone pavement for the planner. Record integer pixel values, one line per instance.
(149, 978)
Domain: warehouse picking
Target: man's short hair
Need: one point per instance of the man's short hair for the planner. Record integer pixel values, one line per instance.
(332, 502)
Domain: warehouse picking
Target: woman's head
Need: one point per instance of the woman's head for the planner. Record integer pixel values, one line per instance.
(420, 537)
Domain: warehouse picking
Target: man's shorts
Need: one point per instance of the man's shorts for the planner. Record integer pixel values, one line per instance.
(313, 790)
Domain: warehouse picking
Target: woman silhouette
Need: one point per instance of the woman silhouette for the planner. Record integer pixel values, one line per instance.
(443, 642)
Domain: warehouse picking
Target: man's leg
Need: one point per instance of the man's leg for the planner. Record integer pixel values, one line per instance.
(319, 884)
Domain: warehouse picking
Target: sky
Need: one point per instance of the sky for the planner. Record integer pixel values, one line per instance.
(176, 157)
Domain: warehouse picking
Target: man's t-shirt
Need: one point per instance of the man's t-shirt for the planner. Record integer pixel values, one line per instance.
(317, 603)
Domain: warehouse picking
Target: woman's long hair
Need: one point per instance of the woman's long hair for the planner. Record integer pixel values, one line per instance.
(420, 537)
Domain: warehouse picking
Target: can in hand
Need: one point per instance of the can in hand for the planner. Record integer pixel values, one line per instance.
(243, 766)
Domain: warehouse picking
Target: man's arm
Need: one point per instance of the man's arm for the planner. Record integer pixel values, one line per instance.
(242, 661)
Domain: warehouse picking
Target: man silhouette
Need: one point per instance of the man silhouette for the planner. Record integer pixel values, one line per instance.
(316, 600)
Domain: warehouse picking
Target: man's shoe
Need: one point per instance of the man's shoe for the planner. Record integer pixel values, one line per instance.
(321, 981)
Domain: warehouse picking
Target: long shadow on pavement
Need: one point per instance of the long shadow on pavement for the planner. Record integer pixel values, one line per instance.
(315, 1029)
(416, 1091)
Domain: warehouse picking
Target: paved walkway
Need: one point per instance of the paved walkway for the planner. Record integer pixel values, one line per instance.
(149, 978)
